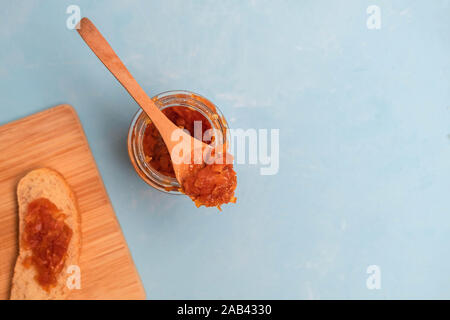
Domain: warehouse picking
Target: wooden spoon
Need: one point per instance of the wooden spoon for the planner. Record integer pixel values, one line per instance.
(166, 128)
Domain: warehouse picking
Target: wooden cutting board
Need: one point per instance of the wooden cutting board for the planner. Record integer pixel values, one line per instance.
(54, 138)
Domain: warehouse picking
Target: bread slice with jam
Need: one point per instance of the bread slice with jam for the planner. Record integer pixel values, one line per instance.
(49, 237)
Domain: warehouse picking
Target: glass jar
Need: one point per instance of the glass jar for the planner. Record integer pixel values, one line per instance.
(140, 122)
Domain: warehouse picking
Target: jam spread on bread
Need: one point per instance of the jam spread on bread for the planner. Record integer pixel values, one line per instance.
(155, 150)
(47, 236)
(211, 185)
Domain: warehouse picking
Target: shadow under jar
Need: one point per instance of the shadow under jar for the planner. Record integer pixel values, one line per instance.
(181, 107)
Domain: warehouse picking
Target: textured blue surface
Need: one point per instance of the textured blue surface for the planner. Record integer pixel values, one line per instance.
(364, 119)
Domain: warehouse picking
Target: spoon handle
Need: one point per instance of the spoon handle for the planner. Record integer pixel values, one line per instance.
(112, 62)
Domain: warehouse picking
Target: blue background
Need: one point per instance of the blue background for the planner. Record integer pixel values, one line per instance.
(364, 119)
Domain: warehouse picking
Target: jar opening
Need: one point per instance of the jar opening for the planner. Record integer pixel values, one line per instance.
(155, 150)
(143, 136)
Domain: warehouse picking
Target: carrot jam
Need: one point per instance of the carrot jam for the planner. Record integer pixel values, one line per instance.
(48, 237)
(155, 150)
(212, 184)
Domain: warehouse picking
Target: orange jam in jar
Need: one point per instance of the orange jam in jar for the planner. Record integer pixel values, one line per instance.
(148, 152)
(47, 236)
(155, 150)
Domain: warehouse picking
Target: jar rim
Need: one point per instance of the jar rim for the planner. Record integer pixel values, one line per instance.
(197, 102)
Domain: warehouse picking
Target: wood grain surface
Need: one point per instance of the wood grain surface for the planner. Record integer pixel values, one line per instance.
(55, 139)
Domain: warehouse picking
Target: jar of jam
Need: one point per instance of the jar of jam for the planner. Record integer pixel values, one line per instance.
(147, 151)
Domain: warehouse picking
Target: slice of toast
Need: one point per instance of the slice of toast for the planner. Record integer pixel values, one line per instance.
(45, 183)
